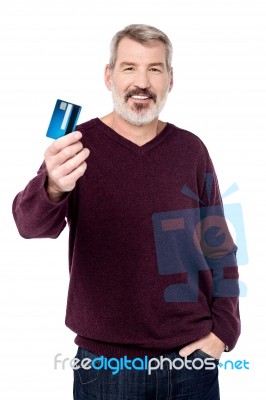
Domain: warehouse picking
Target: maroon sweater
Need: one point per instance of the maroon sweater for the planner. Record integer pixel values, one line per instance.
(117, 300)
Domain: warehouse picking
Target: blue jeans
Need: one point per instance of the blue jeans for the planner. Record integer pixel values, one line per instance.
(174, 381)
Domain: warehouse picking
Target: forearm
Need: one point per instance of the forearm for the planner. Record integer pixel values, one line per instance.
(35, 214)
(226, 320)
(225, 303)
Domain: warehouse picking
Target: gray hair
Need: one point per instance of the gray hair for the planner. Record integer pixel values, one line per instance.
(144, 34)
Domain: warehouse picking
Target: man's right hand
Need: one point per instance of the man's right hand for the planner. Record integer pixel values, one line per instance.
(65, 164)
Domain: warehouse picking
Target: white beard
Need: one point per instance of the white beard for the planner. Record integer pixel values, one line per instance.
(140, 114)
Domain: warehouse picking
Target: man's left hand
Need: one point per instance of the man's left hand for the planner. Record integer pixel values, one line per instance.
(210, 344)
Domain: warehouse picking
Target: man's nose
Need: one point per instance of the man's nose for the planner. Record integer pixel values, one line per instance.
(142, 80)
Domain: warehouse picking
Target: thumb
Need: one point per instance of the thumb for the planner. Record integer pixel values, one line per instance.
(187, 350)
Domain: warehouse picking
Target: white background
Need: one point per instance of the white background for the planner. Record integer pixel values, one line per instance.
(58, 49)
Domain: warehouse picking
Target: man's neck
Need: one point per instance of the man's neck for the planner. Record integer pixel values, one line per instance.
(136, 134)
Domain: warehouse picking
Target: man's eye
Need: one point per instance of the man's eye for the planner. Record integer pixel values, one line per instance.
(129, 69)
(156, 70)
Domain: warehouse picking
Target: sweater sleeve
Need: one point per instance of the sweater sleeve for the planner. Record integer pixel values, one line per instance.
(220, 254)
(225, 304)
(35, 215)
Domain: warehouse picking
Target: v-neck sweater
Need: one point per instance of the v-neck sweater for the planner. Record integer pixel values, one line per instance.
(119, 302)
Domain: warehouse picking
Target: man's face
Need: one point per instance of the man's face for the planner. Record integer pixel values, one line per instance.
(140, 81)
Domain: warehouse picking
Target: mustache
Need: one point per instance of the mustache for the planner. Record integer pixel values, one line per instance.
(140, 92)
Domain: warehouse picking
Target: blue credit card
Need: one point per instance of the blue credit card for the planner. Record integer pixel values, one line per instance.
(64, 119)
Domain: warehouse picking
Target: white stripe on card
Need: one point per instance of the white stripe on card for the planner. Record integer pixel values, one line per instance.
(66, 117)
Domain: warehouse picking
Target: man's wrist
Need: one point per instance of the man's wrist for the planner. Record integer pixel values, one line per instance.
(54, 195)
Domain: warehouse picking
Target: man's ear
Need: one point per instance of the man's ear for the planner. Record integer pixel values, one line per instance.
(171, 84)
(107, 77)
